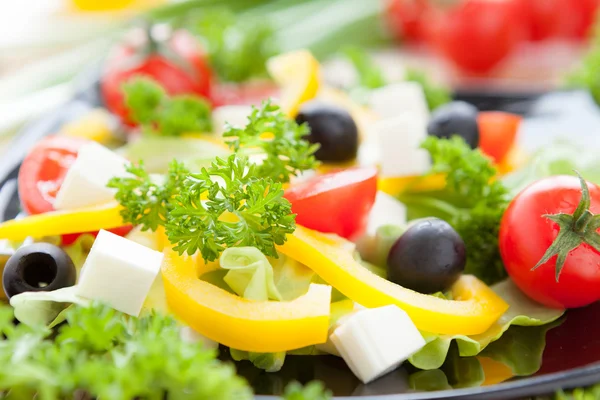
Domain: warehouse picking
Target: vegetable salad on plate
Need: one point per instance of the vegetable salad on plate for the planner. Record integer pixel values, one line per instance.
(381, 223)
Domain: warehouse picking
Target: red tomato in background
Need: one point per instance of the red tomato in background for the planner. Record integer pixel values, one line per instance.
(42, 173)
(525, 235)
(338, 202)
(497, 133)
(476, 35)
(186, 71)
(407, 19)
(546, 19)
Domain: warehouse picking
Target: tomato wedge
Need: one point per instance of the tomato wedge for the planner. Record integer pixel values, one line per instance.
(337, 202)
(497, 133)
(42, 173)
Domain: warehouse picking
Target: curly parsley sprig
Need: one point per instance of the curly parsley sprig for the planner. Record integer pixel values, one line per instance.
(270, 132)
(160, 114)
(242, 209)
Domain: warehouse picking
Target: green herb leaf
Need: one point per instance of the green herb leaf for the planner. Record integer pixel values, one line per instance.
(370, 75)
(238, 48)
(235, 187)
(312, 391)
(146, 201)
(272, 134)
(160, 114)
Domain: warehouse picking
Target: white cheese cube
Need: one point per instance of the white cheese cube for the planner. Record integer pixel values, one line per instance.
(189, 335)
(376, 341)
(398, 99)
(399, 140)
(386, 210)
(119, 272)
(85, 182)
(236, 115)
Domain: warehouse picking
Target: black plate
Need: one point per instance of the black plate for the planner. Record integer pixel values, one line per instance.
(570, 358)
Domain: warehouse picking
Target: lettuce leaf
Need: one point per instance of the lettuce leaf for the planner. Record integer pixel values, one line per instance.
(522, 312)
(157, 152)
(79, 250)
(38, 309)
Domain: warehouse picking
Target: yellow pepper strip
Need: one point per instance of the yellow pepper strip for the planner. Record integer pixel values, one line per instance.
(297, 72)
(397, 185)
(258, 326)
(495, 371)
(477, 307)
(87, 219)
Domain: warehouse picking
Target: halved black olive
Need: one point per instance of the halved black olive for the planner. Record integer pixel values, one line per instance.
(333, 128)
(429, 257)
(455, 118)
(38, 267)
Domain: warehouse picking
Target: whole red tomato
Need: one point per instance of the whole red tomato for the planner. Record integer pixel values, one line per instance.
(526, 234)
(545, 19)
(338, 202)
(407, 18)
(476, 35)
(42, 173)
(177, 63)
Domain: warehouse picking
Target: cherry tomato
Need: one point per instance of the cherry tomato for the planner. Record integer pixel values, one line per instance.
(582, 14)
(526, 233)
(337, 202)
(42, 173)
(547, 19)
(497, 133)
(476, 35)
(177, 63)
(407, 18)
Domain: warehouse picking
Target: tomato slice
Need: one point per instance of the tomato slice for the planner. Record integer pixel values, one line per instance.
(497, 133)
(337, 202)
(42, 173)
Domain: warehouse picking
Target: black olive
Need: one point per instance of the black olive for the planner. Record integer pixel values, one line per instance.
(428, 258)
(455, 118)
(38, 267)
(333, 128)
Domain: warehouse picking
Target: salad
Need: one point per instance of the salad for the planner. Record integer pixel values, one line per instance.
(381, 223)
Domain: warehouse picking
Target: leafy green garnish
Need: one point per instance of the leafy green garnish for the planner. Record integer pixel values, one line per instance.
(146, 200)
(473, 202)
(238, 48)
(261, 216)
(586, 74)
(161, 114)
(312, 391)
(279, 139)
(102, 353)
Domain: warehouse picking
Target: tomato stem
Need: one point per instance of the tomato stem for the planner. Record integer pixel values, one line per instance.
(575, 229)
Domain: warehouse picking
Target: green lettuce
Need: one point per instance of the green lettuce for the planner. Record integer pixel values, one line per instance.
(522, 312)
(44, 308)
(559, 158)
(157, 152)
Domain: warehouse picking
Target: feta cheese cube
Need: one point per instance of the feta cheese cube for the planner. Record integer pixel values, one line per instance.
(119, 272)
(85, 182)
(376, 341)
(189, 335)
(236, 115)
(399, 140)
(398, 99)
(386, 210)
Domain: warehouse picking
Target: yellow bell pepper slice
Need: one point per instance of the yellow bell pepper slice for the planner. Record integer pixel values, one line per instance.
(258, 326)
(475, 309)
(87, 219)
(495, 371)
(297, 72)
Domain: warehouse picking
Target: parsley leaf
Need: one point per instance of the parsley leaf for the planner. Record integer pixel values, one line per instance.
(161, 114)
(280, 139)
(243, 209)
(238, 48)
(101, 353)
(146, 201)
(435, 94)
(312, 391)
(473, 202)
